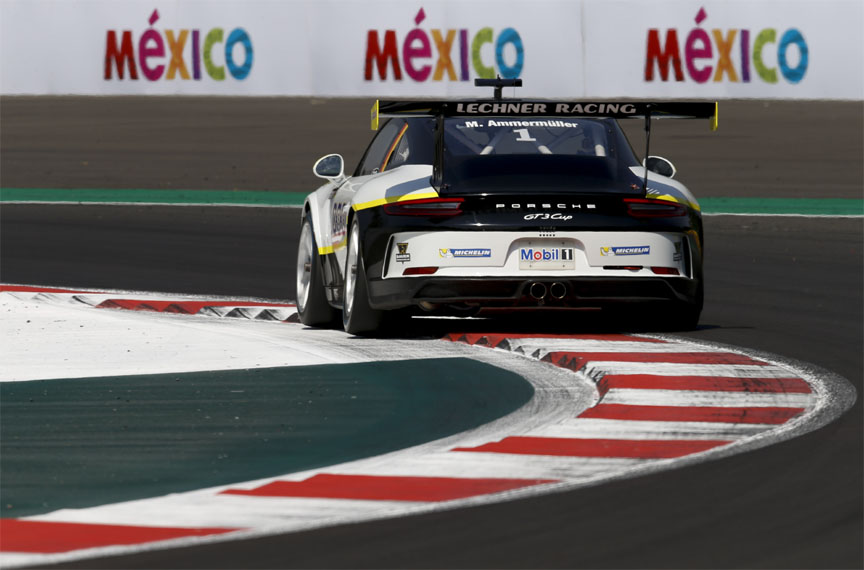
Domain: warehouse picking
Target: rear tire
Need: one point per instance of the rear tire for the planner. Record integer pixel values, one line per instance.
(684, 316)
(312, 306)
(358, 317)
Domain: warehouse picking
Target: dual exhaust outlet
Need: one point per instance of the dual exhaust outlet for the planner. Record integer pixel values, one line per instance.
(539, 291)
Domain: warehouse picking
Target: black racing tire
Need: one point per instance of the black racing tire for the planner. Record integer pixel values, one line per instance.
(684, 315)
(358, 317)
(312, 306)
(665, 316)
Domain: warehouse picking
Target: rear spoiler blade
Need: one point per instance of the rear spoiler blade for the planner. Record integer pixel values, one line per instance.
(523, 108)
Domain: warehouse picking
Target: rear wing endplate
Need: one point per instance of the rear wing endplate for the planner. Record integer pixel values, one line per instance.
(522, 108)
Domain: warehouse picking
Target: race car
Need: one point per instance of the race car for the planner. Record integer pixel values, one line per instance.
(501, 204)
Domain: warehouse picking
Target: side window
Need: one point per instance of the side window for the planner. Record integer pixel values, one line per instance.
(401, 150)
(379, 148)
(415, 144)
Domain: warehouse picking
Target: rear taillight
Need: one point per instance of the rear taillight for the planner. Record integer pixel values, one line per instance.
(647, 208)
(665, 270)
(426, 207)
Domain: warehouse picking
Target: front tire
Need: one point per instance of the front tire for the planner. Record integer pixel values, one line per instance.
(312, 305)
(358, 317)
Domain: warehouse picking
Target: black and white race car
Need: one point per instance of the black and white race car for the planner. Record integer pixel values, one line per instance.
(459, 206)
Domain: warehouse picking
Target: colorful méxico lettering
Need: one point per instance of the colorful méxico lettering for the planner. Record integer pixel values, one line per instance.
(417, 53)
(699, 50)
(120, 55)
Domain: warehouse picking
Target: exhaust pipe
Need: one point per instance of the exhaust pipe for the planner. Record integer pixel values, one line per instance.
(558, 290)
(538, 291)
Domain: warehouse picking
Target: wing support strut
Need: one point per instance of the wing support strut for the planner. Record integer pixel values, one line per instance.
(647, 148)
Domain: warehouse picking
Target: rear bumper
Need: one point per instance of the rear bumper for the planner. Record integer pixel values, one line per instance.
(514, 292)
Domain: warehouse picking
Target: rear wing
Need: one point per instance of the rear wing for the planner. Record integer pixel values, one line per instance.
(522, 108)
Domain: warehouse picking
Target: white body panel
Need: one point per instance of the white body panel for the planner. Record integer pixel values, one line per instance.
(315, 203)
(503, 254)
(330, 205)
(407, 181)
(361, 192)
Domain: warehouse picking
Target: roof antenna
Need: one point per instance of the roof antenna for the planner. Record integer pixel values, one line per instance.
(498, 84)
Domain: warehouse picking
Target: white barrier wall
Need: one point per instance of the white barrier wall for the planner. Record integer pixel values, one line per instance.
(727, 49)
(435, 48)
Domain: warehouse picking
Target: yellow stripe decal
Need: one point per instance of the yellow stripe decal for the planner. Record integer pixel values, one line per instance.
(715, 120)
(391, 199)
(333, 248)
(670, 198)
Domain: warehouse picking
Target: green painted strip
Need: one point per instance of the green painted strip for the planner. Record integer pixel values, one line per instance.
(133, 196)
(89, 441)
(788, 206)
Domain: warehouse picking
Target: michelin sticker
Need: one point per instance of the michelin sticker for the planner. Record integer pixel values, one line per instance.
(464, 252)
(626, 250)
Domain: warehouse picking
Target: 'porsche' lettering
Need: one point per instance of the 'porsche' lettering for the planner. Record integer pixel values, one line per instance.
(535, 206)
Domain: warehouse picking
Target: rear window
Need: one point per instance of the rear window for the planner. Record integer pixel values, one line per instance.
(535, 154)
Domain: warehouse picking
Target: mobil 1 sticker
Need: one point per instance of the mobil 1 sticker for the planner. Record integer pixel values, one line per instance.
(545, 257)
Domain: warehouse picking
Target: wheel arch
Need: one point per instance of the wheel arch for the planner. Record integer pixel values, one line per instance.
(312, 210)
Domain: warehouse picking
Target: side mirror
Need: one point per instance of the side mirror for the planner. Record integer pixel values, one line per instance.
(330, 167)
(661, 166)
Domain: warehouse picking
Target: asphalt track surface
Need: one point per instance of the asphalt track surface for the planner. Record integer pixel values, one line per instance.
(762, 149)
(790, 286)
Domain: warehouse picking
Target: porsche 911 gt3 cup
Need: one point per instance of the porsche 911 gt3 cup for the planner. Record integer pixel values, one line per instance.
(459, 206)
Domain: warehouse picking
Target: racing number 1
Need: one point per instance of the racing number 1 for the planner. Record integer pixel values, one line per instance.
(523, 135)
